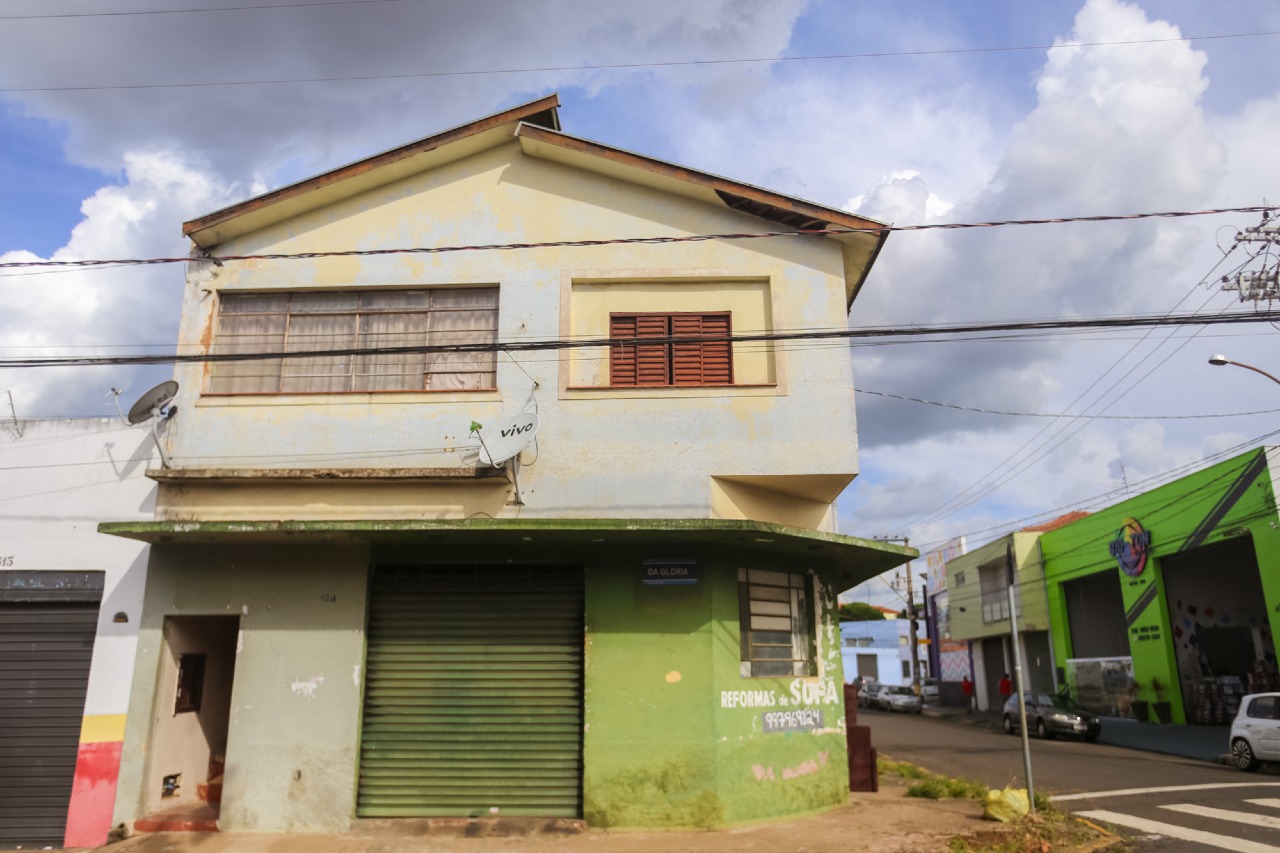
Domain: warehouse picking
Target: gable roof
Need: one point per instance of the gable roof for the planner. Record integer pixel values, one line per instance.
(536, 125)
(1054, 524)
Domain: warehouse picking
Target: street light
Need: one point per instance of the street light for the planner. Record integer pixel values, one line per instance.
(1222, 359)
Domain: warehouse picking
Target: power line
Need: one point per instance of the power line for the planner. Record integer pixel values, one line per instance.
(1058, 433)
(147, 12)
(618, 66)
(589, 343)
(1060, 415)
(617, 241)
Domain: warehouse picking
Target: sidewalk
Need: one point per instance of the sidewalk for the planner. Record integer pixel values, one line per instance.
(1203, 743)
(883, 822)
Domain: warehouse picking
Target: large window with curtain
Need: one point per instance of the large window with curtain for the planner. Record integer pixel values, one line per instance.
(283, 322)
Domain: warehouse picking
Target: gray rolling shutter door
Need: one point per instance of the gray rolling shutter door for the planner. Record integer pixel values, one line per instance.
(473, 692)
(45, 651)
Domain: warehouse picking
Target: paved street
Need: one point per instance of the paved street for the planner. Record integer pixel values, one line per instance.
(1173, 805)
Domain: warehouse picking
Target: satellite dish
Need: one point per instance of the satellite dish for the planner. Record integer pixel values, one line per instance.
(149, 407)
(150, 404)
(505, 440)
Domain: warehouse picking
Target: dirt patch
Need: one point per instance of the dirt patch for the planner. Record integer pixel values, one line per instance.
(883, 822)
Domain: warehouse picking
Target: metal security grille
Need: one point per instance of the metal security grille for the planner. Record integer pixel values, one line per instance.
(45, 651)
(473, 693)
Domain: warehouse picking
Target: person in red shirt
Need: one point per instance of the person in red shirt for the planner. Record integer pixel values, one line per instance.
(1006, 687)
(967, 686)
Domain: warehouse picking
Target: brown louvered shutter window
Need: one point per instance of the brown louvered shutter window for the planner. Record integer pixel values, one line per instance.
(653, 361)
(622, 357)
(701, 362)
(687, 363)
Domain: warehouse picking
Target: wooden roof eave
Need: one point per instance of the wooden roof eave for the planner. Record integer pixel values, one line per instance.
(345, 181)
(861, 248)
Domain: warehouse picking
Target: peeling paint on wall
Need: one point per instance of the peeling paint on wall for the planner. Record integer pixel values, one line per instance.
(307, 688)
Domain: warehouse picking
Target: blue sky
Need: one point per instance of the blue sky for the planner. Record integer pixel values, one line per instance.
(961, 124)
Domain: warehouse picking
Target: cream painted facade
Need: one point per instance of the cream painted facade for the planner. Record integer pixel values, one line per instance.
(276, 510)
(644, 453)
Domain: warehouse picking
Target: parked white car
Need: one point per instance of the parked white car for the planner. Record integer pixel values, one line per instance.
(901, 698)
(1255, 732)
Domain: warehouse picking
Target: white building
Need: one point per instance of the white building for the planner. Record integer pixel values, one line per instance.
(70, 599)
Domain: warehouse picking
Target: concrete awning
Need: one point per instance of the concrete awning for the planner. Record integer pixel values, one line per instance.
(847, 560)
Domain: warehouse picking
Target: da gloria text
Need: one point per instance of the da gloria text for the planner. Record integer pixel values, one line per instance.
(800, 692)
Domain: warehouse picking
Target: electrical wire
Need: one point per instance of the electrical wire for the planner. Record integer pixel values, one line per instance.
(149, 12)
(617, 66)
(1052, 415)
(567, 344)
(1054, 435)
(618, 241)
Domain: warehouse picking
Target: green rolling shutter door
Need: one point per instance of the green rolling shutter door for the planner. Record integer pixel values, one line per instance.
(473, 692)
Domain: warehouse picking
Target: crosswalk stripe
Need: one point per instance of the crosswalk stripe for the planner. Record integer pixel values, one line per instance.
(1129, 792)
(1271, 804)
(1226, 814)
(1182, 833)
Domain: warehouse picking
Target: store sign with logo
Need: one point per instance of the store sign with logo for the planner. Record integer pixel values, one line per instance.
(1130, 547)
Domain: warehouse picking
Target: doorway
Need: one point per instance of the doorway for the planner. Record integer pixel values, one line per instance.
(192, 714)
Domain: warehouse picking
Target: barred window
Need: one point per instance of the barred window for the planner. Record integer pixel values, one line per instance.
(775, 623)
(348, 319)
(689, 363)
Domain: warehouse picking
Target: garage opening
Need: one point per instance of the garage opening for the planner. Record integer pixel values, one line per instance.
(48, 622)
(45, 652)
(473, 692)
(1221, 634)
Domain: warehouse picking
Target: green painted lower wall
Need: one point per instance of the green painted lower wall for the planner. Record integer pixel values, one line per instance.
(1231, 502)
(674, 734)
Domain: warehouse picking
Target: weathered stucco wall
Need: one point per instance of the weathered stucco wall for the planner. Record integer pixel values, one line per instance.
(61, 477)
(635, 453)
(295, 701)
(674, 734)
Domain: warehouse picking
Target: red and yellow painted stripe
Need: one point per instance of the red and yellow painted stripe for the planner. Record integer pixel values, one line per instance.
(93, 793)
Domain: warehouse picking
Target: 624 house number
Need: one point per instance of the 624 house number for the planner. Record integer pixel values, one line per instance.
(6, 561)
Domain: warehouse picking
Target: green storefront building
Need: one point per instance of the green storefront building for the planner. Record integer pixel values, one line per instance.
(1165, 606)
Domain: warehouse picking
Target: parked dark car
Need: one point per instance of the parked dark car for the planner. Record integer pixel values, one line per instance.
(1050, 715)
(868, 692)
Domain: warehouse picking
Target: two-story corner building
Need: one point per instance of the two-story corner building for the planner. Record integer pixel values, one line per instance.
(978, 612)
(350, 614)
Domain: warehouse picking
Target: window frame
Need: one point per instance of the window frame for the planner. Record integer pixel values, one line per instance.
(800, 598)
(671, 364)
(361, 374)
(188, 693)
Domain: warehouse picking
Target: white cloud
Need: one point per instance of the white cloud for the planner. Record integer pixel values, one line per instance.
(66, 312)
(1114, 130)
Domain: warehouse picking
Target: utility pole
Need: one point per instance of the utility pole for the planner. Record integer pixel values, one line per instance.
(1258, 285)
(1017, 673)
(915, 645)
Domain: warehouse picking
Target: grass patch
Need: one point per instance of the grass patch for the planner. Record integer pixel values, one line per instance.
(1046, 831)
(931, 786)
(1052, 832)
